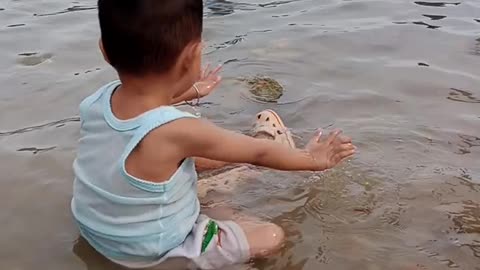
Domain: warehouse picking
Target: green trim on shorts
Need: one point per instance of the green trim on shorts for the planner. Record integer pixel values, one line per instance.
(211, 230)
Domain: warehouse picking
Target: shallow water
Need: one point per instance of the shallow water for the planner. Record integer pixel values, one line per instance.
(401, 77)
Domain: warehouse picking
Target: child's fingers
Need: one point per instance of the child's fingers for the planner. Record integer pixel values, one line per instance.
(206, 70)
(345, 139)
(333, 135)
(318, 135)
(215, 82)
(346, 147)
(216, 70)
(345, 159)
(344, 155)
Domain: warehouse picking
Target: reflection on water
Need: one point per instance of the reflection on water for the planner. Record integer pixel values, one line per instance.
(400, 77)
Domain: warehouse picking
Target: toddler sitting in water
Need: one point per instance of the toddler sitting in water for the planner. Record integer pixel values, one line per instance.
(135, 192)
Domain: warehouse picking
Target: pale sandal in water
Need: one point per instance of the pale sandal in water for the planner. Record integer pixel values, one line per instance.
(269, 125)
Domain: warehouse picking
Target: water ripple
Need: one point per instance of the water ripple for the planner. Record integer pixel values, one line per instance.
(435, 17)
(476, 49)
(462, 96)
(429, 26)
(16, 25)
(275, 3)
(36, 150)
(225, 7)
(67, 10)
(59, 123)
(437, 4)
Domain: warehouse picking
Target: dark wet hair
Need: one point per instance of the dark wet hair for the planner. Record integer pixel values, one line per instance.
(143, 36)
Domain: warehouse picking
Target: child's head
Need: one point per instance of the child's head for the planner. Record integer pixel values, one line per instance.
(152, 37)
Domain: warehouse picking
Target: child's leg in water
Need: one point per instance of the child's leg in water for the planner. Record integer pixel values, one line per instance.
(263, 237)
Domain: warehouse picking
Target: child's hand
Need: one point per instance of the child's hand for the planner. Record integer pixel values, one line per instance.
(209, 80)
(207, 83)
(329, 152)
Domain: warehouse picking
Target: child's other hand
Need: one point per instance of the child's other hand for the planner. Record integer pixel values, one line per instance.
(329, 152)
(209, 80)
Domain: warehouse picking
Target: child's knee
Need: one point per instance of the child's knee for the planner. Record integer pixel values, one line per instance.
(276, 236)
(265, 240)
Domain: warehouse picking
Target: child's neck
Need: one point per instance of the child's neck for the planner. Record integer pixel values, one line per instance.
(138, 95)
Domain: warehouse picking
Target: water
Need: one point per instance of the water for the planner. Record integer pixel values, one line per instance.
(401, 77)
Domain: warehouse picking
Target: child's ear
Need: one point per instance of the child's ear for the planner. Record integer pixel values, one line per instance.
(199, 49)
(198, 58)
(191, 61)
(102, 49)
(194, 51)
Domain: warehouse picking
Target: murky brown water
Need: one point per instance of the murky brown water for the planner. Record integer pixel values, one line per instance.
(401, 77)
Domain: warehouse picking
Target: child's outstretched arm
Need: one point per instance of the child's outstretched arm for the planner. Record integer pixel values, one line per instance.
(198, 138)
(205, 164)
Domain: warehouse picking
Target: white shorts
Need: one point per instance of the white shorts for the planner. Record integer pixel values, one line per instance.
(228, 246)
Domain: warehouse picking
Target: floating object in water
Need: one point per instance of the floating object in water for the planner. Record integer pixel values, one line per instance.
(264, 89)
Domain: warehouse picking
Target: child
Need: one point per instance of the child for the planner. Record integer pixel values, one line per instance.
(135, 192)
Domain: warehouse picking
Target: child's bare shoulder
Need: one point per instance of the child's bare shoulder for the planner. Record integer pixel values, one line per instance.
(160, 151)
(175, 137)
